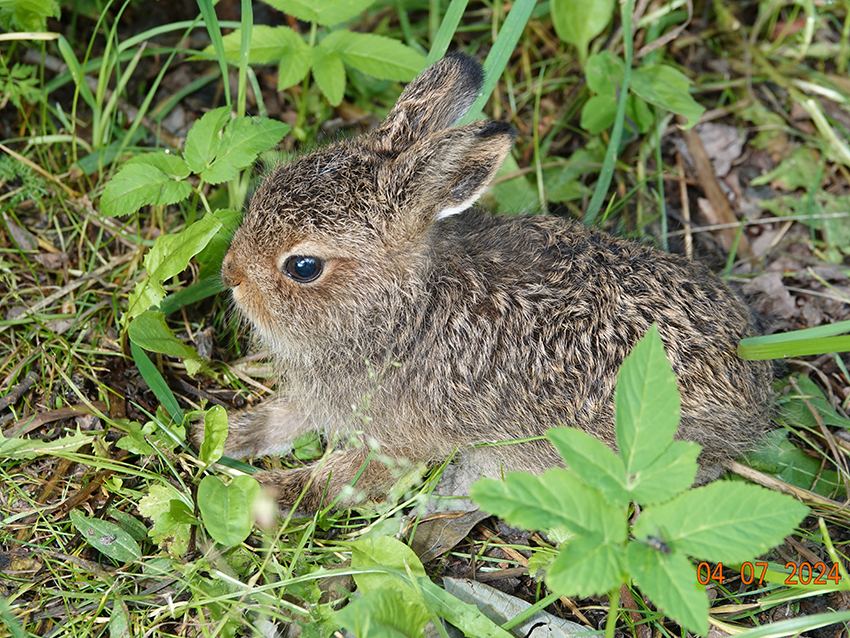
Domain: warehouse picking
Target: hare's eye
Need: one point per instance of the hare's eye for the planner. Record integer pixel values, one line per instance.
(303, 269)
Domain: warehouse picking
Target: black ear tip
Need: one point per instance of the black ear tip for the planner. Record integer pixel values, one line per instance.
(468, 66)
(494, 128)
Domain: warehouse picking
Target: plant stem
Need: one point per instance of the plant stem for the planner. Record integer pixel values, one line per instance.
(613, 612)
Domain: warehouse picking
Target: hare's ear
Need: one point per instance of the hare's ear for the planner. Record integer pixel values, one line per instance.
(435, 100)
(445, 173)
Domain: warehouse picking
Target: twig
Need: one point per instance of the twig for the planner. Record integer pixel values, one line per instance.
(18, 390)
(711, 187)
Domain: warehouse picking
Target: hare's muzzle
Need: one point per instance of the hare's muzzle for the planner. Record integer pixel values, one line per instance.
(230, 275)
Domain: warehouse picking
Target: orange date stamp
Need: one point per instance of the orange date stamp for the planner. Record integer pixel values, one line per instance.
(801, 573)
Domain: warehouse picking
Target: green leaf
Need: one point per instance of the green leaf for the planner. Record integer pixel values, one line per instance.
(598, 113)
(386, 613)
(671, 473)
(106, 537)
(724, 522)
(329, 73)
(227, 509)
(203, 138)
(170, 256)
(215, 434)
(667, 88)
(592, 461)
(670, 581)
(588, 565)
(325, 12)
(383, 551)
(149, 331)
(555, 498)
(294, 62)
(27, 15)
(376, 55)
(646, 403)
(781, 458)
(579, 21)
(241, 142)
(268, 45)
(603, 73)
(22, 449)
(167, 532)
(151, 179)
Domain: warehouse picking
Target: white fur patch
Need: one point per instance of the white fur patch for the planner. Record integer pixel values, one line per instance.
(454, 210)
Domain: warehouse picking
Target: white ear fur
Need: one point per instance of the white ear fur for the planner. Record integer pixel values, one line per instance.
(456, 210)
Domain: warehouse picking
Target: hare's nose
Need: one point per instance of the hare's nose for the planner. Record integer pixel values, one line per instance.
(230, 276)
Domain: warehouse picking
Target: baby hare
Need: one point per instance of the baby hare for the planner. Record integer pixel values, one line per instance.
(408, 324)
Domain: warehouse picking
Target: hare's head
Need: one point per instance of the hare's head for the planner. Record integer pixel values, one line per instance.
(331, 239)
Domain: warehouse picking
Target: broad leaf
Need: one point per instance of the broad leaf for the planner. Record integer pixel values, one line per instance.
(646, 403)
(268, 44)
(151, 179)
(670, 582)
(598, 113)
(555, 498)
(241, 142)
(325, 12)
(587, 565)
(385, 613)
(376, 55)
(383, 551)
(215, 434)
(665, 87)
(728, 522)
(170, 256)
(149, 331)
(227, 509)
(21, 448)
(329, 73)
(592, 461)
(579, 21)
(106, 537)
(671, 473)
(203, 138)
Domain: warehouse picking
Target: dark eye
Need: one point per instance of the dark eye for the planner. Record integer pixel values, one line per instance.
(303, 269)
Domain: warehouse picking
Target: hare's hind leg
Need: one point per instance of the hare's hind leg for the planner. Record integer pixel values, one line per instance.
(267, 429)
(323, 482)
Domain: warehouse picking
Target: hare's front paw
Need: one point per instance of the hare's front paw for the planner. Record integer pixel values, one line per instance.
(268, 429)
(328, 481)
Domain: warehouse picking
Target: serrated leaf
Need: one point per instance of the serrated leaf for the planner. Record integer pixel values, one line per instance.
(646, 403)
(329, 73)
(579, 21)
(376, 55)
(268, 44)
(149, 331)
(170, 256)
(671, 473)
(167, 532)
(227, 509)
(552, 499)
(588, 565)
(665, 87)
(386, 613)
(294, 65)
(670, 581)
(325, 12)
(23, 449)
(215, 434)
(724, 522)
(203, 138)
(106, 537)
(592, 461)
(241, 142)
(143, 183)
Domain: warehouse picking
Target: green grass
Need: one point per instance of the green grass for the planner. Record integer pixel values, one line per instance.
(77, 395)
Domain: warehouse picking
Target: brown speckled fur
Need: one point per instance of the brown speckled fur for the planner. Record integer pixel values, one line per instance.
(476, 328)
